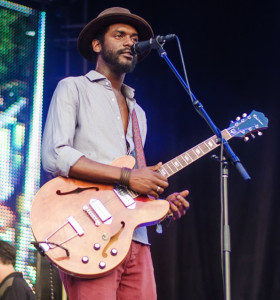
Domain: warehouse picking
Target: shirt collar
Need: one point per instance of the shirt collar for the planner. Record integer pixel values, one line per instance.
(95, 76)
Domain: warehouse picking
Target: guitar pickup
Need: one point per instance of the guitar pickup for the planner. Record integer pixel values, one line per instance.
(125, 197)
(100, 211)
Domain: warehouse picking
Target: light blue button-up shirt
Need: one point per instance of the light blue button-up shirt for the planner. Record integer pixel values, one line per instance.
(84, 120)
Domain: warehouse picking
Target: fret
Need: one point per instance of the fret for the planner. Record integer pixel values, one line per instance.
(197, 150)
(206, 145)
(163, 171)
(170, 165)
(174, 165)
(210, 143)
(204, 148)
(177, 163)
(181, 160)
(226, 134)
(186, 157)
(193, 155)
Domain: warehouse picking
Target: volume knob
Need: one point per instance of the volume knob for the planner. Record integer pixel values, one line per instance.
(102, 265)
(114, 251)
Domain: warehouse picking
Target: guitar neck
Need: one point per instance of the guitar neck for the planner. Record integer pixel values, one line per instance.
(183, 160)
(254, 122)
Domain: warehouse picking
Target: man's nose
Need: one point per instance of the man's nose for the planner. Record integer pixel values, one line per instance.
(129, 41)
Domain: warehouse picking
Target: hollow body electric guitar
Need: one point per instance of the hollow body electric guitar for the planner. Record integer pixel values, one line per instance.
(86, 229)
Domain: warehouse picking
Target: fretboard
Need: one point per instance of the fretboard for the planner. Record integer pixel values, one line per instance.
(183, 160)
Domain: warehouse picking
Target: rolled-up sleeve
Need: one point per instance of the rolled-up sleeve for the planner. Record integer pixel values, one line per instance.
(58, 154)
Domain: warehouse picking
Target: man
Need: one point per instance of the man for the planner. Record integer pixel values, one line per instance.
(89, 124)
(12, 284)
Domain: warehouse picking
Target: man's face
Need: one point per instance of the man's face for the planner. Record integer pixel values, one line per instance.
(116, 49)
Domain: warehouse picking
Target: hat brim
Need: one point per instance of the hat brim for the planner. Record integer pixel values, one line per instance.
(89, 32)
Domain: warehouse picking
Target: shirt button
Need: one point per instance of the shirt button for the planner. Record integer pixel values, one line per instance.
(113, 99)
(118, 117)
(107, 82)
(122, 136)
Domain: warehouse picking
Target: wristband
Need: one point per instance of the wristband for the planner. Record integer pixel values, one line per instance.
(125, 176)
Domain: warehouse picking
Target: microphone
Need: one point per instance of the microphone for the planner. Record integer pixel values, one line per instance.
(152, 43)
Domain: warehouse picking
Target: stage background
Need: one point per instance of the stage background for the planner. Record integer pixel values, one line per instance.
(22, 33)
(231, 52)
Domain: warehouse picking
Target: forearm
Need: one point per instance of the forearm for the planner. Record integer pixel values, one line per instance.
(144, 181)
(90, 170)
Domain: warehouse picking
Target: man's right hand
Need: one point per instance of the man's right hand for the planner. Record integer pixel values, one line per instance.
(147, 181)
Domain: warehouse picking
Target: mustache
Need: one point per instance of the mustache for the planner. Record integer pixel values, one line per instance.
(126, 50)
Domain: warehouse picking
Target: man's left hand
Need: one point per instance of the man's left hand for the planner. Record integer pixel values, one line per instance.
(178, 204)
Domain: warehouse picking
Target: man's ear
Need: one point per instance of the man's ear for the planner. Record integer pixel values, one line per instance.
(96, 46)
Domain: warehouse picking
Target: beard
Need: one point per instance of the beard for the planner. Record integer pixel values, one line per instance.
(112, 58)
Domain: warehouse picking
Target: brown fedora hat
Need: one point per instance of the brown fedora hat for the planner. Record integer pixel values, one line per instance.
(108, 17)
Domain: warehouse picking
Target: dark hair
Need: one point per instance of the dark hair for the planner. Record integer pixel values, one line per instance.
(7, 253)
(100, 36)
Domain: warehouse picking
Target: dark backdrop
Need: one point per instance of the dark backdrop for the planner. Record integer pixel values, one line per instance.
(231, 51)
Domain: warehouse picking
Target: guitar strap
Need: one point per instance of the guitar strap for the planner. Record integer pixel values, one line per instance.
(140, 157)
(8, 282)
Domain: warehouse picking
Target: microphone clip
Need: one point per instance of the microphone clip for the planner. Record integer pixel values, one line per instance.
(153, 43)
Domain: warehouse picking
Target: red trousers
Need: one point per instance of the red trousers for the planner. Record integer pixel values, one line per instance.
(132, 279)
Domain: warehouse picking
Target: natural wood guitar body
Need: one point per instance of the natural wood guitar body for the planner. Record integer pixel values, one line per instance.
(99, 249)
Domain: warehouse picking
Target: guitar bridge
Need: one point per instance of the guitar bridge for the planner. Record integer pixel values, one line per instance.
(126, 196)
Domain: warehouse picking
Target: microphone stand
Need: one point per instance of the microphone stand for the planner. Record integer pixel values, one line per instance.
(231, 157)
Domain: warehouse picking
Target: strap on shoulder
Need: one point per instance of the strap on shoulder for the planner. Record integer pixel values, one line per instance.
(6, 284)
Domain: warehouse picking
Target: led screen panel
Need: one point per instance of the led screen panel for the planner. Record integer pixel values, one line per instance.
(22, 39)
